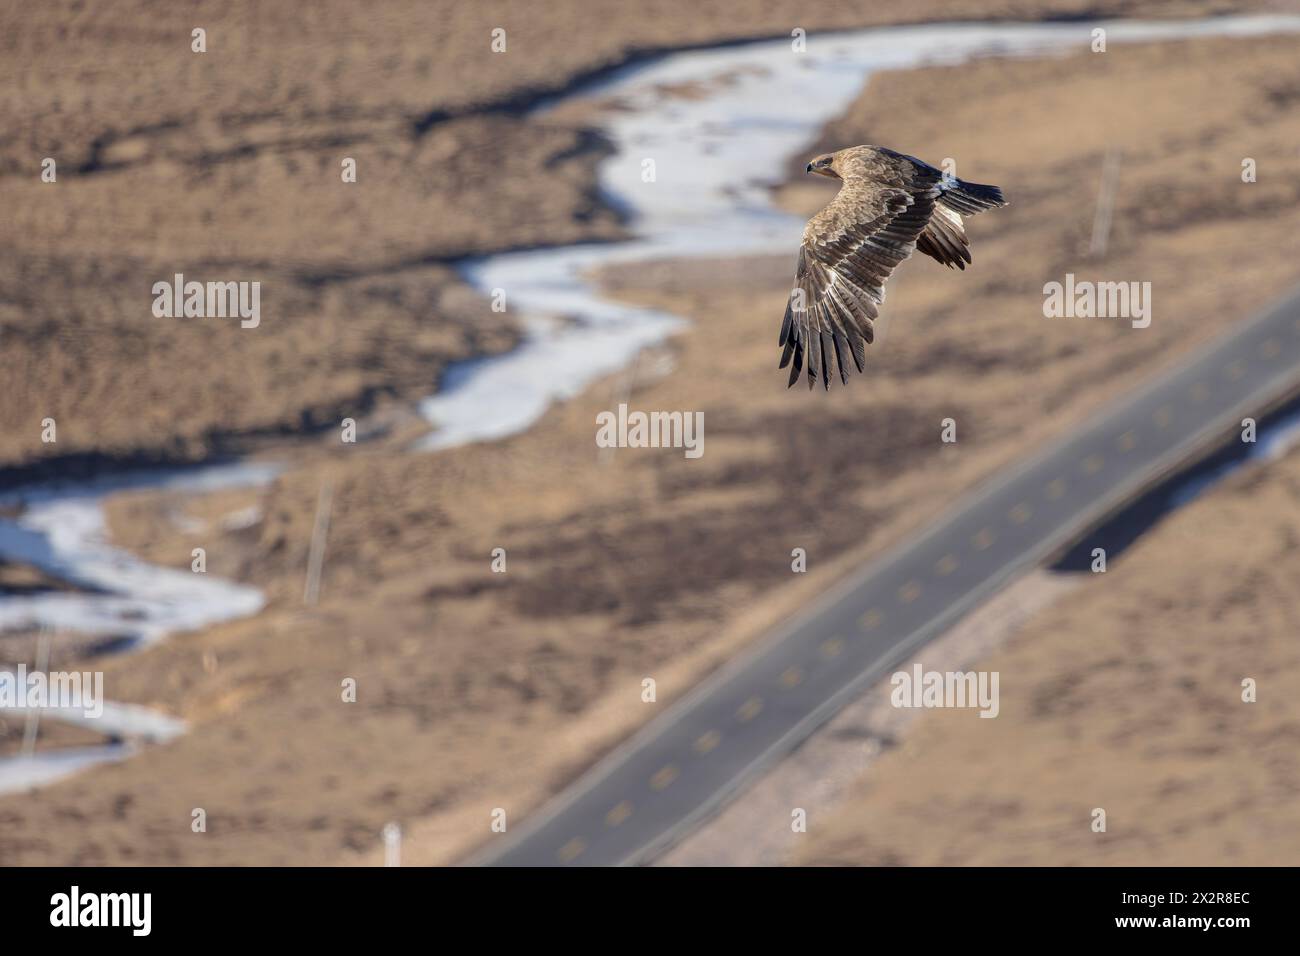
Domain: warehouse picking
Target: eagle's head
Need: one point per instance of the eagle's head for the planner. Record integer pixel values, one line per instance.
(824, 165)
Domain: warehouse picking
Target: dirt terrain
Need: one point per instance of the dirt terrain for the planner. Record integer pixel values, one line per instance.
(1126, 695)
(479, 690)
(226, 166)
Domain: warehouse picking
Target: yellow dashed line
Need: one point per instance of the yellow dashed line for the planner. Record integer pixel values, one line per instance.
(1021, 513)
(870, 619)
(750, 708)
(1163, 416)
(792, 677)
(832, 647)
(1092, 464)
(1055, 488)
(663, 777)
(707, 741)
(946, 565)
(1270, 349)
(570, 850)
(982, 540)
(909, 592)
(618, 814)
(1127, 441)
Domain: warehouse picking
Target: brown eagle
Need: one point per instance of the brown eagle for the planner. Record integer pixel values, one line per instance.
(890, 204)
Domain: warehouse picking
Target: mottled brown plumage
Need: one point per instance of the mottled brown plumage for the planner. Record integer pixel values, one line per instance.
(890, 204)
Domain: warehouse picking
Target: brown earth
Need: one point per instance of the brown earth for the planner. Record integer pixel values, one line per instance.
(225, 165)
(479, 690)
(1125, 696)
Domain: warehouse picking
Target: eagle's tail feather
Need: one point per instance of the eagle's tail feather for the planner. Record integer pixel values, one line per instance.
(945, 241)
(970, 198)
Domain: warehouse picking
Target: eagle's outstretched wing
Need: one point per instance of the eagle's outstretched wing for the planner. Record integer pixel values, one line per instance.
(848, 251)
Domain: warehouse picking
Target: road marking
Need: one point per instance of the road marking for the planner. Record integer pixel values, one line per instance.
(707, 741)
(832, 647)
(1092, 464)
(1055, 488)
(983, 539)
(1235, 370)
(909, 592)
(1163, 416)
(1200, 392)
(1127, 440)
(792, 677)
(1020, 513)
(870, 619)
(663, 777)
(946, 565)
(618, 814)
(569, 852)
(749, 709)
(1270, 349)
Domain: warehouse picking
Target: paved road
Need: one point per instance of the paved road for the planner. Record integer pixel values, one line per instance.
(685, 764)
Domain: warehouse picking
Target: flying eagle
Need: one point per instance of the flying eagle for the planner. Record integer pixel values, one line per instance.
(890, 204)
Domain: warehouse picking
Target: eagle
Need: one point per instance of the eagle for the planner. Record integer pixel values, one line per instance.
(889, 205)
